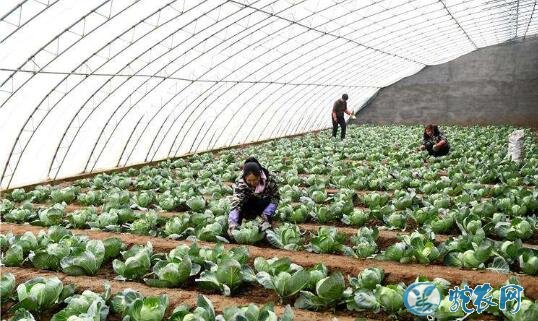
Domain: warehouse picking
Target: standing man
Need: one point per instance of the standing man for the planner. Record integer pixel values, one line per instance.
(339, 108)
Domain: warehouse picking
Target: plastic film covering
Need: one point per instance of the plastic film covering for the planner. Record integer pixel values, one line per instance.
(98, 84)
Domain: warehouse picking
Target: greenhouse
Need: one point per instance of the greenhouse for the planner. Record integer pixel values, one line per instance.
(268, 160)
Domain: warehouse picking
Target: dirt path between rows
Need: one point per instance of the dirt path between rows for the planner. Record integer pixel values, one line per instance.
(176, 296)
(395, 272)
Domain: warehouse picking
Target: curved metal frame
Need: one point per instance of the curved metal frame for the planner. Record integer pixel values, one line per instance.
(149, 91)
(250, 45)
(21, 6)
(125, 81)
(139, 136)
(191, 149)
(530, 19)
(500, 26)
(209, 70)
(157, 149)
(286, 41)
(41, 68)
(65, 78)
(277, 130)
(60, 53)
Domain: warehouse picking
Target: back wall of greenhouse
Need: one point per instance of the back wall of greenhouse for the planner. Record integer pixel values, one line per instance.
(493, 85)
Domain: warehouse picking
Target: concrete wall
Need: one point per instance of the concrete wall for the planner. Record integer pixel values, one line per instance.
(493, 85)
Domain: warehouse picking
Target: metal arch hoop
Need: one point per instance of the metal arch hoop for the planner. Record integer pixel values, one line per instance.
(280, 121)
(279, 128)
(320, 113)
(308, 29)
(20, 5)
(110, 136)
(109, 94)
(34, 111)
(310, 120)
(59, 54)
(183, 89)
(317, 80)
(530, 19)
(111, 77)
(198, 105)
(276, 131)
(195, 98)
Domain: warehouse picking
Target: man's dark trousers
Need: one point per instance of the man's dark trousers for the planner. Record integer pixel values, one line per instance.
(342, 122)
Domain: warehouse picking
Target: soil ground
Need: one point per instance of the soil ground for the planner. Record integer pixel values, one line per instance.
(395, 272)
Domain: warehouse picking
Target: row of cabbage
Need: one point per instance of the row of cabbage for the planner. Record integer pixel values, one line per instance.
(446, 200)
(218, 270)
(502, 215)
(471, 248)
(41, 297)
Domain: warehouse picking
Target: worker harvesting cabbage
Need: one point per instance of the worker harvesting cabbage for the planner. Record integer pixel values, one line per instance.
(255, 196)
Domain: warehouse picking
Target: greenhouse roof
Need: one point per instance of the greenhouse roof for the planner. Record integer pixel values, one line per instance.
(97, 84)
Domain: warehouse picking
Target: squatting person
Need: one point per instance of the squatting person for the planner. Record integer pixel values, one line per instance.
(434, 141)
(255, 194)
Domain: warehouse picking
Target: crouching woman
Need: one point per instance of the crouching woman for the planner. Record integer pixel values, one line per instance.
(434, 141)
(255, 195)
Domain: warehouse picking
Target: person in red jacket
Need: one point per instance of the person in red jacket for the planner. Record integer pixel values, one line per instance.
(337, 115)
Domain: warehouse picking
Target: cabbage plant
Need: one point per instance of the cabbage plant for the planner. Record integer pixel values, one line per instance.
(147, 309)
(136, 262)
(53, 215)
(178, 227)
(49, 257)
(282, 276)
(363, 243)
(358, 217)
(85, 306)
(145, 198)
(64, 195)
(327, 240)
(254, 313)
(18, 195)
(92, 197)
(86, 260)
(225, 277)
(204, 311)
(20, 215)
(286, 236)
(7, 285)
(19, 247)
(415, 247)
(390, 297)
(528, 262)
(249, 232)
(197, 204)
(173, 271)
(41, 294)
(329, 292)
(368, 279)
(285, 284)
(6, 206)
(81, 218)
(22, 315)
